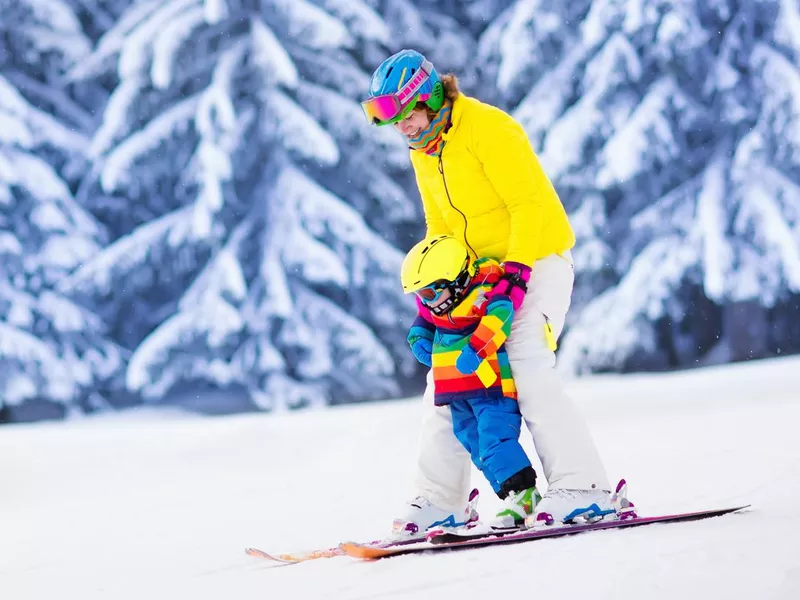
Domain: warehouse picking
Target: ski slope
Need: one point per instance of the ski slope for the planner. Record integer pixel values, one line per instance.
(160, 504)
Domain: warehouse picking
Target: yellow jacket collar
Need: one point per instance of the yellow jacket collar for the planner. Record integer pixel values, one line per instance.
(455, 118)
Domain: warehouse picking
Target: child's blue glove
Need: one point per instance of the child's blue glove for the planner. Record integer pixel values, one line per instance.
(421, 348)
(420, 338)
(468, 361)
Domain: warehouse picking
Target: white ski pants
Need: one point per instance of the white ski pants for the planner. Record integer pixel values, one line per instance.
(560, 435)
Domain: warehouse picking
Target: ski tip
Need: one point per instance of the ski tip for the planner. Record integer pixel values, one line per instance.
(731, 509)
(256, 553)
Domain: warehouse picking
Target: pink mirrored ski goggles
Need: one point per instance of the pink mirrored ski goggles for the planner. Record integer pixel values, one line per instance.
(390, 108)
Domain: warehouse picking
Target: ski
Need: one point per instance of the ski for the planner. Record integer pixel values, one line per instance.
(452, 541)
(291, 558)
(409, 538)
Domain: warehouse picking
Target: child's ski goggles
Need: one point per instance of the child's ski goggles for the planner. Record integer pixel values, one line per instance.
(390, 108)
(430, 293)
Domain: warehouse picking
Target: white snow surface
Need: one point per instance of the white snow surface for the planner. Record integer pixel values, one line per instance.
(161, 504)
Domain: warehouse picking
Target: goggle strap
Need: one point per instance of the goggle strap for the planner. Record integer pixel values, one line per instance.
(422, 74)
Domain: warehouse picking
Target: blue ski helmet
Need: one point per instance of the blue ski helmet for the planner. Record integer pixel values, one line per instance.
(401, 81)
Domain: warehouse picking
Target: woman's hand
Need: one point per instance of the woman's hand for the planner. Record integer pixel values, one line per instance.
(513, 284)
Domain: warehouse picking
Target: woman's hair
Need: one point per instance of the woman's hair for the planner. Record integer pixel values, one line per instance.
(451, 92)
(450, 83)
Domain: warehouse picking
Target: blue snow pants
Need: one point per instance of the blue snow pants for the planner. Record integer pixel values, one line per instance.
(489, 430)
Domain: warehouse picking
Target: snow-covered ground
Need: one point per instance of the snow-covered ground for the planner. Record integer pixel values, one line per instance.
(161, 505)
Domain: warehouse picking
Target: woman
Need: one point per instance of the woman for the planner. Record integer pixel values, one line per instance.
(481, 181)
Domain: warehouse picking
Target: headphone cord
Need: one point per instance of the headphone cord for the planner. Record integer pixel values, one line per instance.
(447, 192)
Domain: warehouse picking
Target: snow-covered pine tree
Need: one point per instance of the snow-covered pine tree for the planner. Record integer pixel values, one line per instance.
(54, 355)
(444, 31)
(522, 45)
(252, 226)
(670, 129)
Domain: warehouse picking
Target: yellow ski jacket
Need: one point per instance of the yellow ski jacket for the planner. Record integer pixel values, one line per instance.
(488, 188)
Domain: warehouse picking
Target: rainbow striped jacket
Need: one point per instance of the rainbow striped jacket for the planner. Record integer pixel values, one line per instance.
(483, 324)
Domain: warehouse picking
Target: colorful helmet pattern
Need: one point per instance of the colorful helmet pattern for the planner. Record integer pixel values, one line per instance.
(396, 72)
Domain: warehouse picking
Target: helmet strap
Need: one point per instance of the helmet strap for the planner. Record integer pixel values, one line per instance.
(457, 288)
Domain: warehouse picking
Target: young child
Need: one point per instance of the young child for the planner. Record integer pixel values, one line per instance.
(460, 334)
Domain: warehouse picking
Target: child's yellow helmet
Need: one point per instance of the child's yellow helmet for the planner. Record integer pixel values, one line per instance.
(433, 259)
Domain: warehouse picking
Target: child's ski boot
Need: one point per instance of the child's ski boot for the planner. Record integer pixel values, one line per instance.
(517, 507)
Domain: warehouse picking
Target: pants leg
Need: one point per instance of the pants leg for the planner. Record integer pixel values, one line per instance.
(467, 430)
(498, 423)
(560, 435)
(443, 464)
